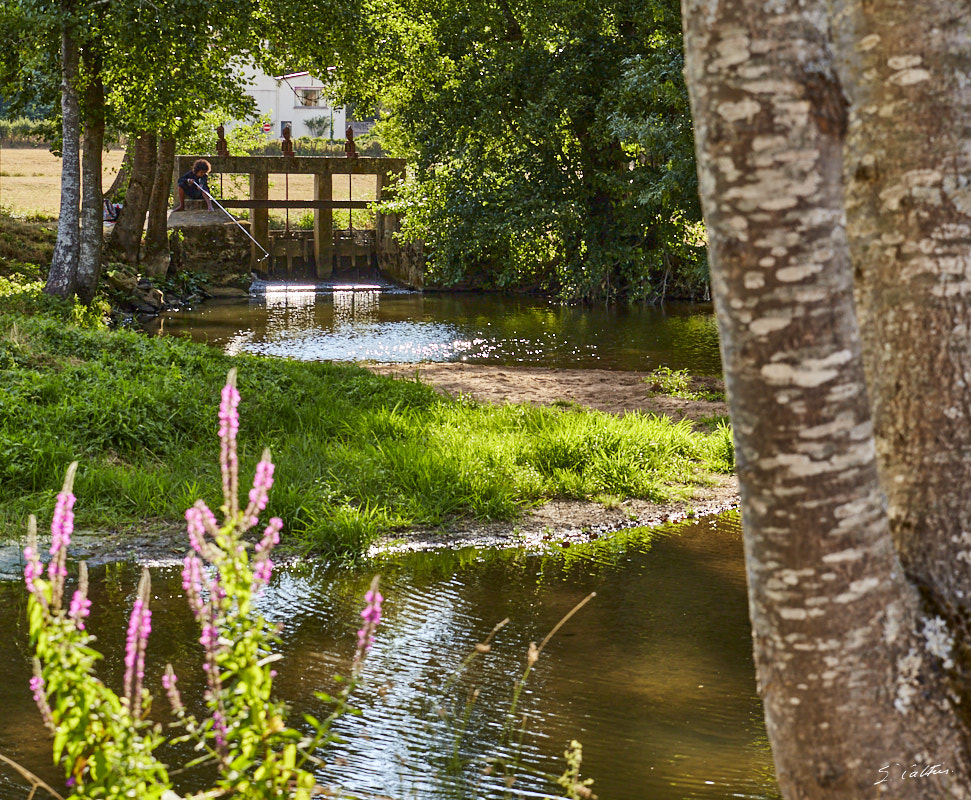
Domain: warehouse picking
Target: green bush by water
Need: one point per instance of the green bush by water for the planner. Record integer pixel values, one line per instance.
(358, 454)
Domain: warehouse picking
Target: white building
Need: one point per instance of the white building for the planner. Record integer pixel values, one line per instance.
(297, 100)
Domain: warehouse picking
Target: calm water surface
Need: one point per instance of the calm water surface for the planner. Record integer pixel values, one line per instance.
(654, 676)
(408, 327)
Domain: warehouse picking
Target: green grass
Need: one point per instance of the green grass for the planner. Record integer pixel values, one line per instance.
(25, 241)
(678, 383)
(356, 454)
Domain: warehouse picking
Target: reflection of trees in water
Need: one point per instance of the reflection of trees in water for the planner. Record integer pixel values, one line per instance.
(356, 306)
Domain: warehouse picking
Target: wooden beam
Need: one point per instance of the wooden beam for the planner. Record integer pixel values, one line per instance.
(321, 204)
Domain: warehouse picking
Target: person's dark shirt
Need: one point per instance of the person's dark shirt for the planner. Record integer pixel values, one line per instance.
(202, 180)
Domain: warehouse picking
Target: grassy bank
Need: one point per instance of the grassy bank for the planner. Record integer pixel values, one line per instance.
(357, 454)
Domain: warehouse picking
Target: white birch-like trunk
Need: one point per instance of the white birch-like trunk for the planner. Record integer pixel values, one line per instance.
(849, 667)
(62, 276)
(92, 208)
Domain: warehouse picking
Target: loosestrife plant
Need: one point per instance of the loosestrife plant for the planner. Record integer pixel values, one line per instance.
(103, 740)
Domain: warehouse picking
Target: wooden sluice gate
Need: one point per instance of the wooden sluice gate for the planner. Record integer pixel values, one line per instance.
(326, 250)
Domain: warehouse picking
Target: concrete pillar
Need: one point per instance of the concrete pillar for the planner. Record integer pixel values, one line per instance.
(259, 189)
(323, 226)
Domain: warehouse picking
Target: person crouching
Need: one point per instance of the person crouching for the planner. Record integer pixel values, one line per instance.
(193, 183)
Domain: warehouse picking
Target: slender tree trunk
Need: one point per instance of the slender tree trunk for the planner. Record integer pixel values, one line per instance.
(92, 208)
(116, 192)
(909, 213)
(126, 239)
(156, 254)
(62, 277)
(849, 670)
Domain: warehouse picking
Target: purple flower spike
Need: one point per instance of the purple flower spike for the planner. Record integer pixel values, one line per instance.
(80, 605)
(228, 428)
(32, 568)
(62, 526)
(263, 571)
(139, 627)
(259, 494)
(39, 691)
(168, 683)
(192, 583)
(372, 618)
(271, 537)
(80, 608)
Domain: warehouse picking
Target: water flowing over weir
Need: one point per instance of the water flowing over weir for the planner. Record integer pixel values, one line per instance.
(654, 676)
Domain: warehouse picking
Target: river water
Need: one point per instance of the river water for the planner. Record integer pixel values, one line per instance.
(405, 327)
(654, 676)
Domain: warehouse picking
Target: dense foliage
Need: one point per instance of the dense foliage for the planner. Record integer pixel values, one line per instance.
(551, 142)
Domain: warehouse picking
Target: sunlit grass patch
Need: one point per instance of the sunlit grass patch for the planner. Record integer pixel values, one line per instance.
(357, 454)
(679, 383)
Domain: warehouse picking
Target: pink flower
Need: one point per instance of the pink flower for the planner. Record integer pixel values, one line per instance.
(168, 683)
(372, 618)
(38, 689)
(196, 528)
(62, 526)
(259, 494)
(262, 571)
(80, 608)
(136, 641)
(192, 582)
(32, 568)
(228, 428)
(228, 415)
(271, 536)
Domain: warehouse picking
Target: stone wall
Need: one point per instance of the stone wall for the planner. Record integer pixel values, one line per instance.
(402, 262)
(207, 241)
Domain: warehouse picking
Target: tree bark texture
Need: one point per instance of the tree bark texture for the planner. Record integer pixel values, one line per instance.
(92, 201)
(126, 239)
(62, 277)
(908, 198)
(849, 670)
(156, 256)
(116, 192)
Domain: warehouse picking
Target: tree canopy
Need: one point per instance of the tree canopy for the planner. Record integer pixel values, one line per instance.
(550, 142)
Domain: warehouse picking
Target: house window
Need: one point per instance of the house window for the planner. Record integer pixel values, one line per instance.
(308, 98)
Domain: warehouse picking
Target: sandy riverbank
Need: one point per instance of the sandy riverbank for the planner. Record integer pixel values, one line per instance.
(606, 390)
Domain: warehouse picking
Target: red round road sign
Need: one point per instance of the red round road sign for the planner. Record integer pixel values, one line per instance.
(267, 127)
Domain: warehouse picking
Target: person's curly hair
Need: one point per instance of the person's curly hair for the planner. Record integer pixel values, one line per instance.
(203, 165)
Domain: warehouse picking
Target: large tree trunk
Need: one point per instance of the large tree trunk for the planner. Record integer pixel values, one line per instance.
(62, 277)
(156, 255)
(92, 208)
(126, 239)
(850, 669)
(909, 211)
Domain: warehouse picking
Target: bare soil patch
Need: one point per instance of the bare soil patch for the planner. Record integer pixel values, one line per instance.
(605, 390)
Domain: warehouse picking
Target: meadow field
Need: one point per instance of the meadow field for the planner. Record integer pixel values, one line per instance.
(30, 183)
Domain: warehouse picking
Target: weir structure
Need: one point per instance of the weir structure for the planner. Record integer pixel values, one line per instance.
(327, 250)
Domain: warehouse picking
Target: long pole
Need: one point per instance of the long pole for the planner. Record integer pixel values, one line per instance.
(267, 254)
